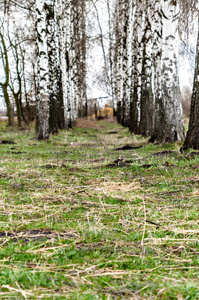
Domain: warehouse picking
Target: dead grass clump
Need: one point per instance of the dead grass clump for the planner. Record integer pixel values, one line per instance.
(113, 189)
(111, 120)
(87, 123)
(120, 186)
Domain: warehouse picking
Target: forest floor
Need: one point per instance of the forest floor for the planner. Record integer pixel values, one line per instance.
(97, 213)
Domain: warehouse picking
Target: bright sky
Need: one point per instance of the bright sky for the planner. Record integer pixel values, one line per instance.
(96, 60)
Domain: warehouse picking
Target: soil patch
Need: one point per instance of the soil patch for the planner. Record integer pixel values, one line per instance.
(87, 123)
(113, 132)
(166, 152)
(118, 188)
(120, 163)
(4, 142)
(28, 235)
(128, 147)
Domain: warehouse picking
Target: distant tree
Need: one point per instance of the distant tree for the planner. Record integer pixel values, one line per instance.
(120, 44)
(109, 4)
(83, 57)
(16, 83)
(78, 58)
(186, 100)
(19, 41)
(6, 82)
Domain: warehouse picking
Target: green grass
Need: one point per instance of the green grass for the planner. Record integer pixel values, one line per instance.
(80, 220)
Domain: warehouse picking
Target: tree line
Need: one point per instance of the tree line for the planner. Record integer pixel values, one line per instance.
(145, 67)
(141, 66)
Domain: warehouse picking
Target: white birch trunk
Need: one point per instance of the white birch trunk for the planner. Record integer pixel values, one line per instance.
(147, 105)
(53, 63)
(125, 67)
(174, 123)
(63, 14)
(111, 53)
(169, 124)
(82, 107)
(136, 76)
(74, 57)
(116, 70)
(119, 77)
(60, 95)
(42, 126)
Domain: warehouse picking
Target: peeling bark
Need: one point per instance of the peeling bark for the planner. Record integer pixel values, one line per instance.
(42, 122)
(169, 123)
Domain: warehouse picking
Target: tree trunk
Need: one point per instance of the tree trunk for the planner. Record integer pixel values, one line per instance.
(147, 109)
(52, 63)
(125, 64)
(111, 56)
(63, 17)
(42, 123)
(83, 70)
(10, 109)
(169, 123)
(17, 92)
(137, 61)
(5, 85)
(118, 58)
(192, 137)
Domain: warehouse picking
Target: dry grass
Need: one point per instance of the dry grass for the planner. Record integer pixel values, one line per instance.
(72, 227)
(87, 124)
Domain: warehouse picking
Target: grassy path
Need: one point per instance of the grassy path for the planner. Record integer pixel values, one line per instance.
(96, 213)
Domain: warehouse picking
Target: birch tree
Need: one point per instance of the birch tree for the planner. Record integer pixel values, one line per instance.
(15, 44)
(4, 84)
(63, 21)
(118, 57)
(16, 82)
(192, 137)
(137, 62)
(53, 65)
(42, 123)
(146, 94)
(74, 29)
(78, 59)
(121, 60)
(56, 120)
(125, 43)
(83, 105)
(169, 124)
(111, 53)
